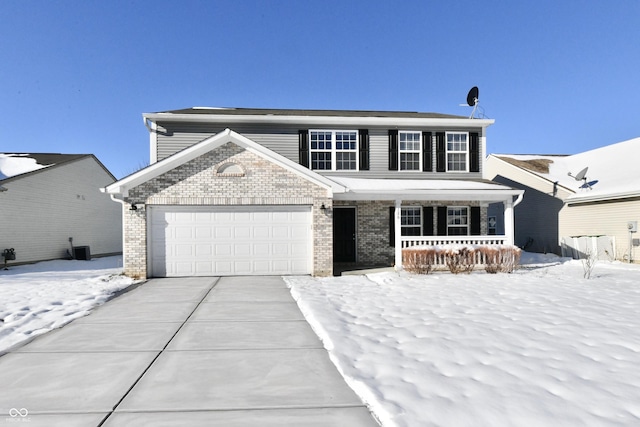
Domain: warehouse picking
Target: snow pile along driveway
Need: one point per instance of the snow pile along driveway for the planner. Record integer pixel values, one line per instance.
(39, 297)
(539, 347)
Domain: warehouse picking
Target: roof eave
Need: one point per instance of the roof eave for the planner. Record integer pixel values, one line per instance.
(432, 194)
(319, 120)
(603, 197)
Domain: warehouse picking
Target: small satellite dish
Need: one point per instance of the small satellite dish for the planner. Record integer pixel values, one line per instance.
(582, 176)
(589, 184)
(472, 97)
(472, 100)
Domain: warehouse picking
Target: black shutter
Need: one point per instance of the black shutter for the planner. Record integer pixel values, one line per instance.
(441, 153)
(474, 152)
(427, 221)
(363, 147)
(303, 147)
(442, 220)
(427, 152)
(393, 150)
(392, 226)
(475, 220)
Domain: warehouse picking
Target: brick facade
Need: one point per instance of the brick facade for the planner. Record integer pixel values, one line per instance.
(228, 175)
(373, 227)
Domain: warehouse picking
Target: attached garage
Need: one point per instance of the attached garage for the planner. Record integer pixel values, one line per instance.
(229, 240)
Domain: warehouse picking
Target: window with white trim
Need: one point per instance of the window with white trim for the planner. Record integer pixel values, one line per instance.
(457, 221)
(333, 150)
(410, 149)
(411, 221)
(457, 151)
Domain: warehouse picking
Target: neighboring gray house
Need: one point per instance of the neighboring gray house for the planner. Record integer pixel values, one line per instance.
(254, 191)
(559, 211)
(46, 199)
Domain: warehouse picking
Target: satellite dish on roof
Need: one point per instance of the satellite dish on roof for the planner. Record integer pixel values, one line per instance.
(473, 100)
(582, 176)
(472, 97)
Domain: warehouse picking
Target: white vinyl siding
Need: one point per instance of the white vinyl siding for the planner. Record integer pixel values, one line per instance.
(42, 210)
(603, 219)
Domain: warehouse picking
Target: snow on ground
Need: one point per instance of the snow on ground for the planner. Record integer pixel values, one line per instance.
(538, 347)
(36, 298)
(542, 346)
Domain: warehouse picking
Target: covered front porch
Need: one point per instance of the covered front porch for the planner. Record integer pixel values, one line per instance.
(424, 213)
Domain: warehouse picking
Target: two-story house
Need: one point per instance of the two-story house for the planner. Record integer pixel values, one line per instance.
(254, 191)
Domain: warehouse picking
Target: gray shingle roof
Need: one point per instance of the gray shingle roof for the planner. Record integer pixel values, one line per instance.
(320, 113)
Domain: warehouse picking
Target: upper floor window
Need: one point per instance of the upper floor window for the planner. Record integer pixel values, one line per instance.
(410, 149)
(457, 151)
(333, 150)
(457, 221)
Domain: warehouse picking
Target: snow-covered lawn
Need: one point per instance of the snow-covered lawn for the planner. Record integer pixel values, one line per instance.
(39, 297)
(539, 347)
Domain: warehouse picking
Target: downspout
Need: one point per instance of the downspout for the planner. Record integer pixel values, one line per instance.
(519, 199)
(123, 203)
(153, 140)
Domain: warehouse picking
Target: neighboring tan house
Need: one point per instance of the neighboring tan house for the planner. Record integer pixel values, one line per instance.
(594, 194)
(254, 191)
(48, 199)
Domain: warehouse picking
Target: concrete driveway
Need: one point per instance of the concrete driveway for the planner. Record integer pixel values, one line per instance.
(233, 351)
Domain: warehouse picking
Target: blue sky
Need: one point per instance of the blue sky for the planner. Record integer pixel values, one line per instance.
(76, 76)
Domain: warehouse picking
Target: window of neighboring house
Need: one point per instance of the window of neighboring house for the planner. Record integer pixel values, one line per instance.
(411, 221)
(457, 151)
(457, 221)
(334, 150)
(409, 144)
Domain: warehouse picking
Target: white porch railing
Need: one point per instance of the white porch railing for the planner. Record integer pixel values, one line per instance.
(410, 241)
(439, 259)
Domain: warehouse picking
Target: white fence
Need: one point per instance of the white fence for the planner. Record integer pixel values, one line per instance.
(410, 241)
(445, 244)
(580, 247)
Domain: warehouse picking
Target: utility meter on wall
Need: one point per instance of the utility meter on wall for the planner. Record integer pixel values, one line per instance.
(632, 226)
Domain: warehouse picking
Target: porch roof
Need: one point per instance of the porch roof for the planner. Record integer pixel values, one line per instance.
(423, 189)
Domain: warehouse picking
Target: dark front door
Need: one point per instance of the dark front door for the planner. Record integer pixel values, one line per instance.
(344, 234)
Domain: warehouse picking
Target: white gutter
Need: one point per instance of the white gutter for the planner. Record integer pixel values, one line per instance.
(439, 194)
(519, 199)
(601, 197)
(393, 122)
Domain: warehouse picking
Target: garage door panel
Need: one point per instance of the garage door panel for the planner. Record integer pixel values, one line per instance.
(203, 240)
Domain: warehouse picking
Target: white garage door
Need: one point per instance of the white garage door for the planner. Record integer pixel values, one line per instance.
(222, 241)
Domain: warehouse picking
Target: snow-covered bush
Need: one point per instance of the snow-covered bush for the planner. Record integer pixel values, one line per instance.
(461, 258)
(500, 259)
(419, 261)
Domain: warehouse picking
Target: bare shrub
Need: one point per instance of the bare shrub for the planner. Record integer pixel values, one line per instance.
(460, 260)
(589, 262)
(500, 259)
(418, 261)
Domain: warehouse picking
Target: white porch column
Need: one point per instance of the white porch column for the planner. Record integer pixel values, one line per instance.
(509, 231)
(398, 234)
